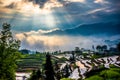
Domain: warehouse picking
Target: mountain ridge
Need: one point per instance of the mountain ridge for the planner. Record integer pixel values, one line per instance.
(90, 29)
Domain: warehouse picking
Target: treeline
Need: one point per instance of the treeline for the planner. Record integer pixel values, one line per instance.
(8, 53)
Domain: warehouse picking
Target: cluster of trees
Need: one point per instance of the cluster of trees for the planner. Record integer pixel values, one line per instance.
(8, 53)
(101, 48)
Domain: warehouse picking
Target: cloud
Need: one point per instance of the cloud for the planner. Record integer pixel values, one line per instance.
(42, 31)
(36, 41)
(29, 6)
(36, 6)
(32, 41)
(33, 3)
(96, 10)
(56, 13)
(18, 6)
(100, 1)
(115, 4)
(81, 1)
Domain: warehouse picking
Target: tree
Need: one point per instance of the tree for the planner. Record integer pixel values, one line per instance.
(98, 48)
(36, 75)
(77, 49)
(56, 66)
(67, 71)
(104, 47)
(33, 76)
(118, 46)
(57, 71)
(72, 58)
(49, 72)
(8, 53)
(93, 47)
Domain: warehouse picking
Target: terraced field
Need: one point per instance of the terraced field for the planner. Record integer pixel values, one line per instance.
(30, 62)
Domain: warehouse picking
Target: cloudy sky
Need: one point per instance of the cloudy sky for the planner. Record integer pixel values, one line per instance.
(48, 25)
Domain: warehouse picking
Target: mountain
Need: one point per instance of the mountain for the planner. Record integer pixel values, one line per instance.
(109, 28)
(26, 51)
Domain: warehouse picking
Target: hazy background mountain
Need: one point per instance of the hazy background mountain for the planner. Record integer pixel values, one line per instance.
(109, 29)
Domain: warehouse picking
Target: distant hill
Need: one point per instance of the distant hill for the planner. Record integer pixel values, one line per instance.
(109, 28)
(26, 51)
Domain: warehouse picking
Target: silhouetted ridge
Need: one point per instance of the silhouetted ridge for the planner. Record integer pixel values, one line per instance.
(90, 29)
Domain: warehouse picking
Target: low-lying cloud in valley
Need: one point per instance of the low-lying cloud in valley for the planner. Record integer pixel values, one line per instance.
(35, 40)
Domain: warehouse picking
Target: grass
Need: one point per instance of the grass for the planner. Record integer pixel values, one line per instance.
(95, 77)
(104, 74)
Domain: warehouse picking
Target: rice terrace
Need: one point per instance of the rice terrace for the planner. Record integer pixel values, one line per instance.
(59, 39)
